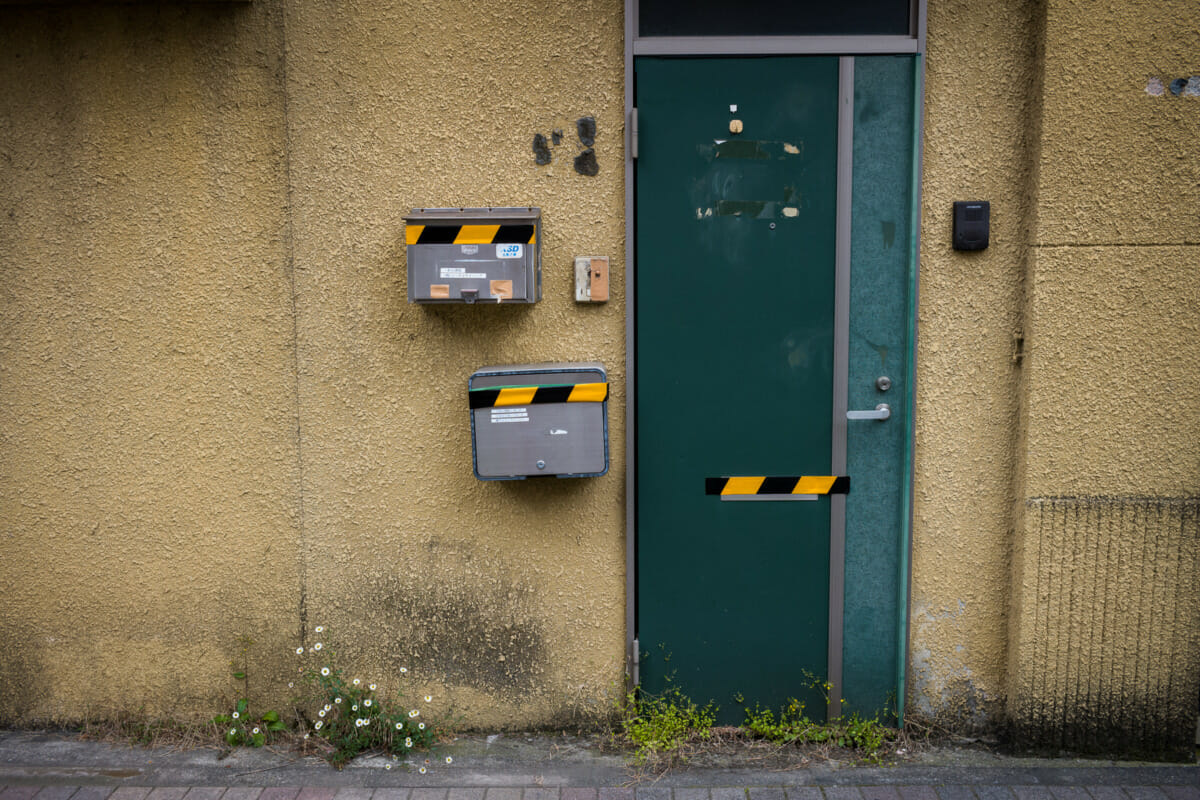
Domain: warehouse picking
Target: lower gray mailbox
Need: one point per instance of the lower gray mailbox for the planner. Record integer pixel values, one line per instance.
(539, 419)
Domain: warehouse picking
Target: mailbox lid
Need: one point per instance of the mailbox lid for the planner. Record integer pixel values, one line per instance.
(497, 215)
(569, 439)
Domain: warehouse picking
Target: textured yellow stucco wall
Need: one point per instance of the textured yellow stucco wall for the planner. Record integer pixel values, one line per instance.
(221, 416)
(507, 595)
(1106, 595)
(980, 87)
(149, 483)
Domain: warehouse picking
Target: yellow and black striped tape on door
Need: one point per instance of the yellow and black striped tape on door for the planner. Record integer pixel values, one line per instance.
(774, 485)
(470, 234)
(500, 396)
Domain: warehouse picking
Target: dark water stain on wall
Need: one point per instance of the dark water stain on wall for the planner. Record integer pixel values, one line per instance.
(1111, 665)
(482, 636)
(22, 677)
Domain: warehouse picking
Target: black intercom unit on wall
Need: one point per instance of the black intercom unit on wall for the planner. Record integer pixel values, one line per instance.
(971, 222)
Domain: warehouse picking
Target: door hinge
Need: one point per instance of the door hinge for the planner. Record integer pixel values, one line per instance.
(635, 656)
(633, 134)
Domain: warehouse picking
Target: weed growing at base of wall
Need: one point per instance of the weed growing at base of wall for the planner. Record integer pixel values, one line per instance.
(238, 728)
(854, 732)
(658, 725)
(347, 717)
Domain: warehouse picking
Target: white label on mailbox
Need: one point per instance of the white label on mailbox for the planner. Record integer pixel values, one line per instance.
(510, 415)
(470, 249)
(510, 250)
(460, 272)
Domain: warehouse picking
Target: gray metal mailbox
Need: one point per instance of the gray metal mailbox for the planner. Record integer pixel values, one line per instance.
(467, 255)
(539, 419)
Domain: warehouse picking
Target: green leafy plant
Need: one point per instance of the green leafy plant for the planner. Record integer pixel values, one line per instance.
(348, 717)
(658, 725)
(238, 728)
(866, 735)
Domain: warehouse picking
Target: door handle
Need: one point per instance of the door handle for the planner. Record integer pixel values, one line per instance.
(881, 412)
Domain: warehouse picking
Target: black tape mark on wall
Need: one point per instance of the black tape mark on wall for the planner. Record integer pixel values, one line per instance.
(541, 150)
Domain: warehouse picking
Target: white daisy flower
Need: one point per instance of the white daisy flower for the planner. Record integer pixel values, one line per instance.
(321, 713)
(319, 629)
(254, 731)
(399, 726)
(337, 700)
(367, 703)
(421, 770)
(354, 707)
(233, 731)
(421, 726)
(324, 671)
(317, 646)
(371, 687)
(236, 715)
(428, 698)
(291, 685)
(403, 670)
(358, 723)
(413, 713)
(449, 760)
(387, 766)
(299, 651)
(357, 681)
(408, 741)
(318, 725)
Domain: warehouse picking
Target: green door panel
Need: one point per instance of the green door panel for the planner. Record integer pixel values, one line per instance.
(882, 244)
(735, 238)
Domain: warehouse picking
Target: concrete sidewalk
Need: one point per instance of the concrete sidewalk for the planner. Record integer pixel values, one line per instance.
(516, 767)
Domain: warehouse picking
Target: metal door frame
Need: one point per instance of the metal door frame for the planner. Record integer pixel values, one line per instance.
(846, 47)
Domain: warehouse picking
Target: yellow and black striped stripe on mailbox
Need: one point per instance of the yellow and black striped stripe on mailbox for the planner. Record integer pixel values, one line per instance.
(767, 485)
(500, 396)
(470, 234)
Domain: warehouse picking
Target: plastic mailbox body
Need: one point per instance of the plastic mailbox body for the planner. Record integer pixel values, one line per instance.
(474, 255)
(533, 420)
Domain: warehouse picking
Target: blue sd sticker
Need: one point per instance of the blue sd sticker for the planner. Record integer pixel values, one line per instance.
(510, 250)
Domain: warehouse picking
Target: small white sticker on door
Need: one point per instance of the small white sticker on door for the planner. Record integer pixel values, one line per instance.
(510, 250)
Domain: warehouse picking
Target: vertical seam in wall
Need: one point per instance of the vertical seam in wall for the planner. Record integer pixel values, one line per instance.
(290, 262)
(1013, 677)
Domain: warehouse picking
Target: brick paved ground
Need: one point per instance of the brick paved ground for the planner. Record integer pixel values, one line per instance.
(916, 792)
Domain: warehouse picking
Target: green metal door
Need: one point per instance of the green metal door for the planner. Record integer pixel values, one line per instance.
(735, 305)
(736, 300)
